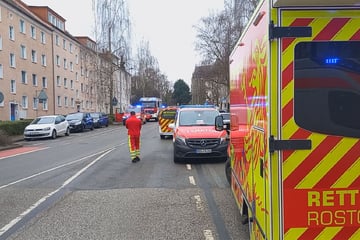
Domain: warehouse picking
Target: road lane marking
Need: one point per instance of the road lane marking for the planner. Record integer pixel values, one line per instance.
(19, 151)
(35, 205)
(198, 203)
(192, 180)
(208, 235)
(49, 170)
(188, 166)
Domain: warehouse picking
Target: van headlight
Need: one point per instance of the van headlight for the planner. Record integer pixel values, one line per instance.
(180, 139)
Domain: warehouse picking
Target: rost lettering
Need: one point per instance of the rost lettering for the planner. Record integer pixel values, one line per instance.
(343, 201)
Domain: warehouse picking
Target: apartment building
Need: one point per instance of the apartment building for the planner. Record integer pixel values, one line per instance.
(25, 63)
(46, 70)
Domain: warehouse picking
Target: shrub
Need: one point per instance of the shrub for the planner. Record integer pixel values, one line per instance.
(11, 128)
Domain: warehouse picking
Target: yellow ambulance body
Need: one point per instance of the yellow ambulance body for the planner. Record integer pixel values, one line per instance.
(294, 151)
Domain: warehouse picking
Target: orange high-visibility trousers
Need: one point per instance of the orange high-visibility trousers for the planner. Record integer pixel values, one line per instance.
(134, 146)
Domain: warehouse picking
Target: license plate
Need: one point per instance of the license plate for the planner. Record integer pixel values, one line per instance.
(203, 150)
(34, 133)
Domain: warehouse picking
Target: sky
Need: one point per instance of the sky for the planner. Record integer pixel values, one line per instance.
(166, 24)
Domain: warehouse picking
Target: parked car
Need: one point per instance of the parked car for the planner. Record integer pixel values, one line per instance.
(100, 119)
(49, 126)
(79, 121)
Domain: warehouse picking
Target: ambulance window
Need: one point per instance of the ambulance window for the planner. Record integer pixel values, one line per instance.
(168, 114)
(327, 87)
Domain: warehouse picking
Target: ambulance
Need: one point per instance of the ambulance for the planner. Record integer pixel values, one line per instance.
(294, 150)
(166, 116)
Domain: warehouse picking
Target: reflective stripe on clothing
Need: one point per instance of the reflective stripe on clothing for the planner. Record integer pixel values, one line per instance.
(134, 146)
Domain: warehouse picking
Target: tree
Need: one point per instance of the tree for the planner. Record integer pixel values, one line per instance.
(181, 94)
(113, 38)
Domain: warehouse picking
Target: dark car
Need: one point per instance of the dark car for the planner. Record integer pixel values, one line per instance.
(100, 119)
(79, 121)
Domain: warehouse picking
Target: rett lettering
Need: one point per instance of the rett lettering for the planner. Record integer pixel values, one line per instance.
(333, 198)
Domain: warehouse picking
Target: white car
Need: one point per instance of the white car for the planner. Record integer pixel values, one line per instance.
(47, 127)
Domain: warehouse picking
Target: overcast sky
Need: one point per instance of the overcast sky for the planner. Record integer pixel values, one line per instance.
(166, 24)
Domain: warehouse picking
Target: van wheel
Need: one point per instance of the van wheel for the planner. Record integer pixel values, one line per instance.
(228, 170)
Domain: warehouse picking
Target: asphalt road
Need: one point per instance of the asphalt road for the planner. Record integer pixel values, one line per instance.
(85, 187)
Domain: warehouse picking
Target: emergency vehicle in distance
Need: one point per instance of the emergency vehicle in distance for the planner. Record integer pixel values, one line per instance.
(139, 113)
(166, 116)
(195, 137)
(151, 106)
(294, 150)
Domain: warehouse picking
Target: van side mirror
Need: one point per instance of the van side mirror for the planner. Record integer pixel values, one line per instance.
(219, 123)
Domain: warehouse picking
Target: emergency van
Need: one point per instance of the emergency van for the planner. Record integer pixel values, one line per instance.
(195, 138)
(294, 150)
(166, 116)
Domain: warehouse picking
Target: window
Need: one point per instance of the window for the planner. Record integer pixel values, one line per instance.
(12, 60)
(57, 80)
(33, 32)
(1, 43)
(327, 87)
(77, 93)
(72, 102)
(43, 60)
(64, 44)
(45, 105)
(23, 77)
(44, 82)
(72, 84)
(11, 33)
(22, 51)
(22, 26)
(34, 80)
(76, 59)
(82, 87)
(43, 37)
(24, 102)
(57, 40)
(59, 101)
(71, 66)
(33, 56)
(12, 86)
(65, 63)
(35, 103)
(1, 71)
(71, 47)
(57, 60)
(66, 101)
(76, 76)
(65, 82)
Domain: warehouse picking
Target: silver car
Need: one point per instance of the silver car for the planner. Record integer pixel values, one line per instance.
(47, 127)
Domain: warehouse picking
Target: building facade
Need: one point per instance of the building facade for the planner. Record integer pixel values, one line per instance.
(45, 70)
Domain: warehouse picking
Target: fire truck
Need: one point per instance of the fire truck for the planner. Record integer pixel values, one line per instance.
(294, 150)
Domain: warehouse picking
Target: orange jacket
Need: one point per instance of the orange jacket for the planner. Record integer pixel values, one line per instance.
(133, 124)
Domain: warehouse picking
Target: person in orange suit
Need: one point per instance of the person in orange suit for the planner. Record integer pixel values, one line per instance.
(133, 125)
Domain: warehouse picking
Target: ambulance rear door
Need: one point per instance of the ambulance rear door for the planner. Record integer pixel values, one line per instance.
(318, 138)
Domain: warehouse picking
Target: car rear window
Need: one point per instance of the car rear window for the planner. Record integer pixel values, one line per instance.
(327, 87)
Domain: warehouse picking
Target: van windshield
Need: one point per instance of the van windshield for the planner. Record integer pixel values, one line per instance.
(198, 117)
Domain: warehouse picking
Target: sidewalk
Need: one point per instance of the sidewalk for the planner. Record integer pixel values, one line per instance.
(15, 143)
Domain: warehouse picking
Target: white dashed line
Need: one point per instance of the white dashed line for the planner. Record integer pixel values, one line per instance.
(192, 180)
(188, 167)
(198, 202)
(208, 235)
